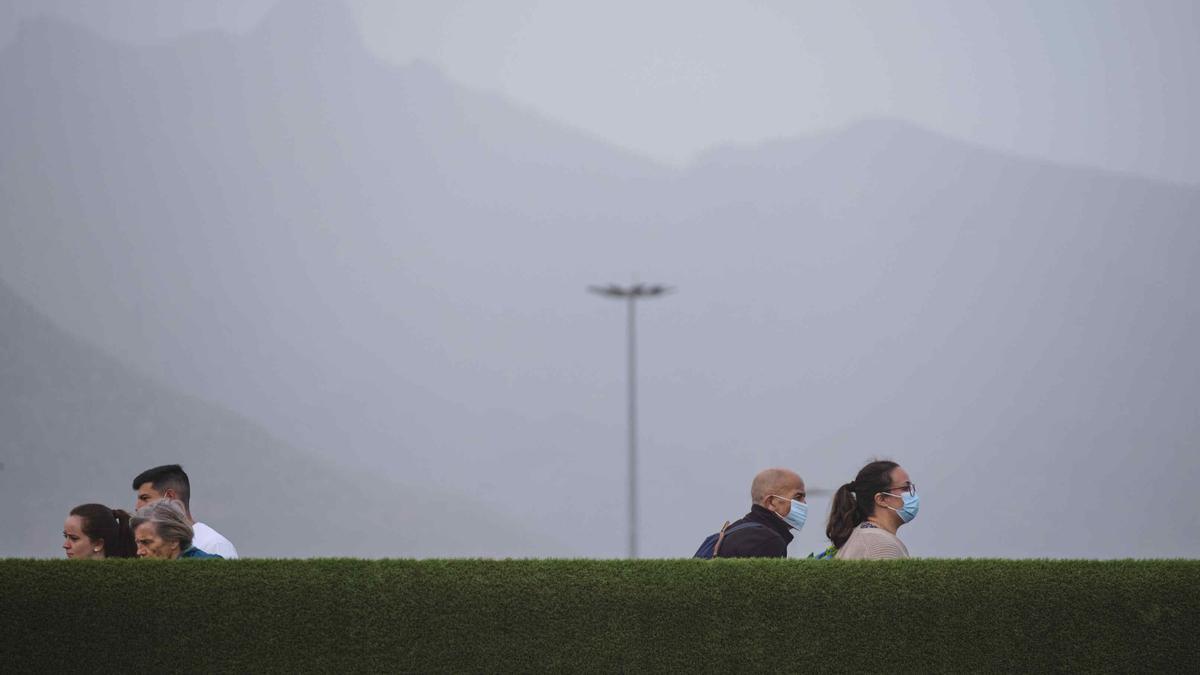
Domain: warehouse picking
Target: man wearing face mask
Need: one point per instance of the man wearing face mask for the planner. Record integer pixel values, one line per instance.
(779, 506)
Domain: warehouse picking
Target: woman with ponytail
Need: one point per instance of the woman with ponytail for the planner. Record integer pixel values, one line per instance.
(96, 531)
(868, 511)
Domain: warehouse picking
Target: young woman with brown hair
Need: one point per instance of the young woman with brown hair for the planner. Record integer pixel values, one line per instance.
(96, 531)
(868, 511)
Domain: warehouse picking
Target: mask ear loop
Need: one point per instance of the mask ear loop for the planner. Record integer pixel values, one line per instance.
(789, 501)
(889, 507)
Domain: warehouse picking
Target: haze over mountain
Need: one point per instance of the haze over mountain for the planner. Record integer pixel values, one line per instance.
(387, 269)
(77, 425)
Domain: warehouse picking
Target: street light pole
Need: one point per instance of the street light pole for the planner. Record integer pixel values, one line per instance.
(631, 296)
(631, 376)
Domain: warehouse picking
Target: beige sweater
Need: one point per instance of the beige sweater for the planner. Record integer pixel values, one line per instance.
(872, 543)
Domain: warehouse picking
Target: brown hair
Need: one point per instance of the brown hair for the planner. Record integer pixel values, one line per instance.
(854, 502)
(110, 526)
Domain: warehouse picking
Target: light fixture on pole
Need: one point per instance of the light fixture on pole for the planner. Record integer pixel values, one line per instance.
(631, 295)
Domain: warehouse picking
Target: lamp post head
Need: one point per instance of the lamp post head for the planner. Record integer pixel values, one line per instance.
(611, 291)
(635, 291)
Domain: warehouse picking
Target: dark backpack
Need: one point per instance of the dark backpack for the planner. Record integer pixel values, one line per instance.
(712, 545)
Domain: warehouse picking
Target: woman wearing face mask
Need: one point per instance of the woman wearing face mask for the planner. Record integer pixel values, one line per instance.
(96, 531)
(162, 530)
(869, 510)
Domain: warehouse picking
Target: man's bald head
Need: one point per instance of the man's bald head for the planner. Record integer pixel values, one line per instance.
(780, 482)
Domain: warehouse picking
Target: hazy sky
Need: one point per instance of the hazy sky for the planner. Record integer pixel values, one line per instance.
(1106, 84)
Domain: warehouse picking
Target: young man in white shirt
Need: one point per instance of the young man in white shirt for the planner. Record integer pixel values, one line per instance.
(171, 482)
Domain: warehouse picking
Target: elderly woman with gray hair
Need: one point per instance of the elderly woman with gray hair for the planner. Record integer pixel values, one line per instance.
(162, 530)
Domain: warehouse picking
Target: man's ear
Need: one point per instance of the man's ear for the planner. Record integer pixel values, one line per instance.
(169, 493)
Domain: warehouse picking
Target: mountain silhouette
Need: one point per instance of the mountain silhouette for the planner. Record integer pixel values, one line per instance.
(78, 426)
(382, 266)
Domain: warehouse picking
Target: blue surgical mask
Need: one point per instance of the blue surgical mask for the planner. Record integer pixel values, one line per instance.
(797, 515)
(912, 504)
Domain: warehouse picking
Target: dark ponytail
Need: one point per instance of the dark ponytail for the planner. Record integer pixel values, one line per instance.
(123, 547)
(111, 526)
(854, 502)
(843, 516)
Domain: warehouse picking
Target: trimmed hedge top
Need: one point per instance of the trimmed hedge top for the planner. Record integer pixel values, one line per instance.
(646, 615)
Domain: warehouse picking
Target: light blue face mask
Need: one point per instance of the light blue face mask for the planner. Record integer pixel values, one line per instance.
(797, 515)
(912, 504)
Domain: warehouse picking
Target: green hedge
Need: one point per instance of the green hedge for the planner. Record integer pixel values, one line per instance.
(582, 615)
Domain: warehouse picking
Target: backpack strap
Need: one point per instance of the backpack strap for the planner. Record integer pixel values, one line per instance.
(720, 538)
(724, 531)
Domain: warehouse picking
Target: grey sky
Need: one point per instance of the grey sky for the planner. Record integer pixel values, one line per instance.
(1105, 84)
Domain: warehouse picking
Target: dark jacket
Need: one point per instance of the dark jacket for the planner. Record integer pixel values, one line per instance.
(770, 541)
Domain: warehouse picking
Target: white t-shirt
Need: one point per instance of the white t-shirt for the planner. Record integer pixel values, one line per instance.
(210, 541)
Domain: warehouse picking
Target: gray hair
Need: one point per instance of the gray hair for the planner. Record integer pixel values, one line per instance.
(169, 517)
